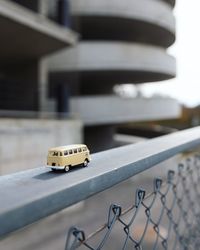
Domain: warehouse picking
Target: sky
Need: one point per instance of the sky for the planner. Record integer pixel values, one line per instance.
(186, 86)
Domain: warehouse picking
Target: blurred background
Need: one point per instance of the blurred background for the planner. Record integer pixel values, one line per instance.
(105, 73)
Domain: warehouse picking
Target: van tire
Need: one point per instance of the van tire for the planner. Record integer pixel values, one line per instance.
(85, 163)
(66, 169)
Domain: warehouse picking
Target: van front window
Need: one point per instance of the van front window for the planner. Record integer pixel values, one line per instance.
(53, 153)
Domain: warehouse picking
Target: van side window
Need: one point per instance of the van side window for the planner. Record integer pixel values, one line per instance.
(66, 152)
(79, 150)
(61, 154)
(83, 149)
(70, 151)
(75, 150)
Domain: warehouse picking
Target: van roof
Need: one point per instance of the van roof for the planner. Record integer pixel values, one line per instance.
(63, 148)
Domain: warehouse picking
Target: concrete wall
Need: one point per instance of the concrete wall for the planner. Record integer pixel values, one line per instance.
(24, 143)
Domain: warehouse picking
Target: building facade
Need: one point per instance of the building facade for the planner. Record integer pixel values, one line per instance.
(28, 34)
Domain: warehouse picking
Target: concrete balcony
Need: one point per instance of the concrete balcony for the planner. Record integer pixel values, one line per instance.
(28, 35)
(103, 110)
(108, 63)
(145, 21)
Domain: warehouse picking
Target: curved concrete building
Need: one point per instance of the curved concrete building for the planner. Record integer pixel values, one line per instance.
(120, 42)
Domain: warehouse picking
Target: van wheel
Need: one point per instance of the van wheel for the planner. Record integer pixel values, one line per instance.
(85, 163)
(53, 169)
(66, 169)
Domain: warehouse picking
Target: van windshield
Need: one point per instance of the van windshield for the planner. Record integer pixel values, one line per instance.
(53, 153)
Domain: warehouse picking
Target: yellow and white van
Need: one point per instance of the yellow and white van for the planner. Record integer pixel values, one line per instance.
(65, 157)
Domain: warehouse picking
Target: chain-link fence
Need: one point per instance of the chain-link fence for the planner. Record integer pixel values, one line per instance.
(167, 218)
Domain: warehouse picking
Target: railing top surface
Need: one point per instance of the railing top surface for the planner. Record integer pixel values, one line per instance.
(28, 196)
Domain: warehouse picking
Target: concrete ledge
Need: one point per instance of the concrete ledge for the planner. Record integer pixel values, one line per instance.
(25, 34)
(149, 21)
(97, 110)
(114, 62)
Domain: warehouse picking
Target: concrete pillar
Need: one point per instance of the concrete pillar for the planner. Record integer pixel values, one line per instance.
(43, 85)
(63, 9)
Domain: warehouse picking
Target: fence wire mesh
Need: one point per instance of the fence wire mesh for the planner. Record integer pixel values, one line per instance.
(167, 218)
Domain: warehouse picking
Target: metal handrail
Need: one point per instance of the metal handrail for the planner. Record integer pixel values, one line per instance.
(28, 196)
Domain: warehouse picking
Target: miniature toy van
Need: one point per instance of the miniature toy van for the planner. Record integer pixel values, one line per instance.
(65, 157)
